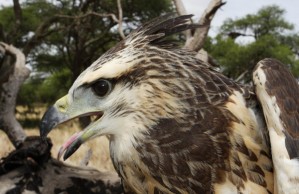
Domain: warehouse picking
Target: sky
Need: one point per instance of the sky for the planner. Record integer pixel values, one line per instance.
(239, 8)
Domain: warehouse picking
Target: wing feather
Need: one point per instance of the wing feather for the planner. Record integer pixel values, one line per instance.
(279, 84)
(278, 93)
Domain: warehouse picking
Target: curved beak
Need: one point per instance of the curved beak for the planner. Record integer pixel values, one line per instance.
(61, 112)
(55, 115)
(51, 119)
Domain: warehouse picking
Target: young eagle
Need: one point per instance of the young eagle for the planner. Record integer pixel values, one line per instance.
(174, 123)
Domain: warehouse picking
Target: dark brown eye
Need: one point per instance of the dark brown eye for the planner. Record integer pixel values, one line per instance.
(101, 87)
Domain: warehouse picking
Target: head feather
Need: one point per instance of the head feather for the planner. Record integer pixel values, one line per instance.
(159, 28)
(113, 65)
(154, 31)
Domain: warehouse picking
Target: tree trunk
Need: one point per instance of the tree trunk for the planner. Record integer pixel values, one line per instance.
(13, 73)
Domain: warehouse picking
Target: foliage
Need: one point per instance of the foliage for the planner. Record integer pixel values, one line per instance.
(62, 38)
(33, 14)
(267, 21)
(271, 36)
(45, 90)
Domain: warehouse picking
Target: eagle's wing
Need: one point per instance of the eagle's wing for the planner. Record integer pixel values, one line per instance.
(278, 93)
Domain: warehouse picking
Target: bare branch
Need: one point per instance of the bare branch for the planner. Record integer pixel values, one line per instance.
(39, 34)
(9, 87)
(241, 76)
(120, 20)
(200, 34)
(113, 16)
(180, 8)
(234, 35)
(42, 30)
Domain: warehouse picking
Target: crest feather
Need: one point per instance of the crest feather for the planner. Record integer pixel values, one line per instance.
(155, 30)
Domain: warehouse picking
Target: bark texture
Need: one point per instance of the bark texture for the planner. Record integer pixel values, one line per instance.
(195, 40)
(30, 169)
(13, 73)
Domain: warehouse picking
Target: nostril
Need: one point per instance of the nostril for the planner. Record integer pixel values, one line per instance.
(62, 104)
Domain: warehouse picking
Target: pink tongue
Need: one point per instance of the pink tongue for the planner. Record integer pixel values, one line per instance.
(68, 143)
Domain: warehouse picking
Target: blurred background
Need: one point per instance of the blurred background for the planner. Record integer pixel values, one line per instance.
(60, 38)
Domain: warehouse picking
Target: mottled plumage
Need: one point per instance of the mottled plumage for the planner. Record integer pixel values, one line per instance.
(278, 92)
(175, 124)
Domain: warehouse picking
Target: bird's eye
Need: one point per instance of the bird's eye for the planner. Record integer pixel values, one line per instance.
(101, 87)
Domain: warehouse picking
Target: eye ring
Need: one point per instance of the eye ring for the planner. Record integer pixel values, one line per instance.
(101, 87)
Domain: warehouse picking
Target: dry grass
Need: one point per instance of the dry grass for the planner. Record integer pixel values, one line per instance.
(100, 148)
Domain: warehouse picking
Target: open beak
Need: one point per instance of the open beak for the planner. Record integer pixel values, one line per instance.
(61, 112)
(70, 146)
(76, 140)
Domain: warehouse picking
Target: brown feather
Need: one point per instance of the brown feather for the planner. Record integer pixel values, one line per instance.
(283, 85)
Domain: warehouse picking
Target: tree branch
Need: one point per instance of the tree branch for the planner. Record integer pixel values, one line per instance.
(113, 16)
(18, 15)
(180, 8)
(197, 41)
(241, 76)
(39, 34)
(13, 59)
(120, 20)
(41, 31)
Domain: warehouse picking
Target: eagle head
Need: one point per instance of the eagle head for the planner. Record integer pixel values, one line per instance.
(130, 89)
